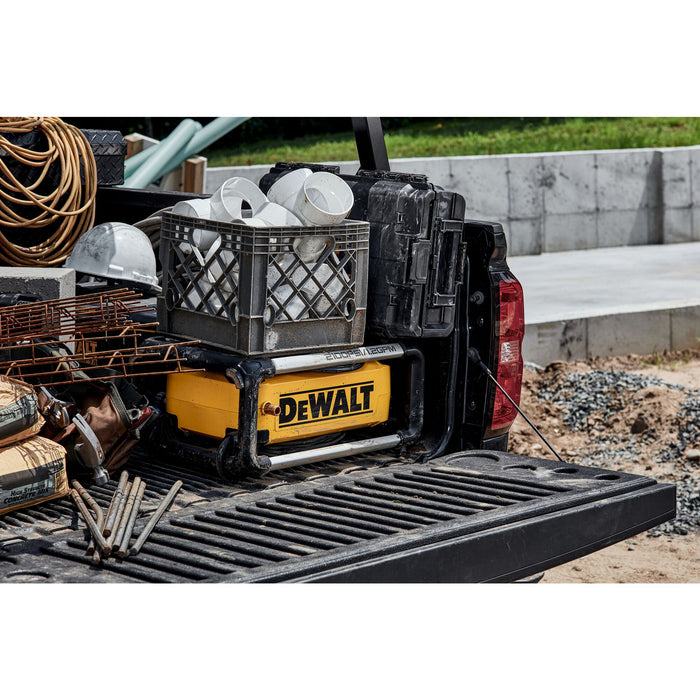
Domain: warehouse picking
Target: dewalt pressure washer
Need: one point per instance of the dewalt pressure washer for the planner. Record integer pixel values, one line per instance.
(234, 411)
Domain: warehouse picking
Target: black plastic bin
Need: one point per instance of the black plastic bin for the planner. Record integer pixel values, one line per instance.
(257, 293)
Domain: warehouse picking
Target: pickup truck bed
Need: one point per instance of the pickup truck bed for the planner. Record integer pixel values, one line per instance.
(477, 516)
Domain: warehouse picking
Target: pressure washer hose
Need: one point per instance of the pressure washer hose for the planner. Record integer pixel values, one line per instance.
(71, 204)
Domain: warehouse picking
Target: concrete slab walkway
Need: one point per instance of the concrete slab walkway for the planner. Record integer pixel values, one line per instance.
(610, 301)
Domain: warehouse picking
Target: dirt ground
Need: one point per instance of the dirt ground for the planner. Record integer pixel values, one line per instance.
(638, 433)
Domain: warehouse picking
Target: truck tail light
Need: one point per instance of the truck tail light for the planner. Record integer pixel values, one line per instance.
(508, 359)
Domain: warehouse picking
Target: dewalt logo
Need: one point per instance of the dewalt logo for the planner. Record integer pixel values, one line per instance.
(304, 407)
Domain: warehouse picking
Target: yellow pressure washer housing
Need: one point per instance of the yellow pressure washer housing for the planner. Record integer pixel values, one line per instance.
(253, 415)
(290, 406)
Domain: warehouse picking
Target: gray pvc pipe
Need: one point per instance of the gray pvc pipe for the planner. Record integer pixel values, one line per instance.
(202, 138)
(212, 132)
(152, 169)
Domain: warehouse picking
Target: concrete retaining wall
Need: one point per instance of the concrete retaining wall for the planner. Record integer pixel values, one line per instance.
(642, 332)
(551, 202)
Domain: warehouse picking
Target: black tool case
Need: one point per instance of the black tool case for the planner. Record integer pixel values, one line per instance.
(415, 249)
(109, 149)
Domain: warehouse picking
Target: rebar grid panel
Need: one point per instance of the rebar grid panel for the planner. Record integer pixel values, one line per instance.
(66, 369)
(90, 313)
(81, 324)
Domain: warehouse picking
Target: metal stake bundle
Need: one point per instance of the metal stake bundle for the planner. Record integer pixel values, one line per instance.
(112, 532)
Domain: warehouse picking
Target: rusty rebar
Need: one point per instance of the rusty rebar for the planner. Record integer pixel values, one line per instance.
(114, 505)
(109, 510)
(99, 516)
(164, 505)
(124, 545)
(126, 362)
(100, 310)
(126, 514)
(92, 525)
(120, 511)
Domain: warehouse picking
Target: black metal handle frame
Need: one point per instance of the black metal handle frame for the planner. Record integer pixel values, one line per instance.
(371, 146)
(238, 454)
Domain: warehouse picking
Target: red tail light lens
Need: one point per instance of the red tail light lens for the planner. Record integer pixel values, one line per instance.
(508, 355)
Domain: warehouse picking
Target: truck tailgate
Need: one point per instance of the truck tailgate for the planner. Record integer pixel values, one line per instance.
(468, 517)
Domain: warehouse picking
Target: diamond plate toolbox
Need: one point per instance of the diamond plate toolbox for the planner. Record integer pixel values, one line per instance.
(109, 149)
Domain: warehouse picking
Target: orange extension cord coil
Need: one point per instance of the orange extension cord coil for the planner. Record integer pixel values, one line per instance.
(71, 204)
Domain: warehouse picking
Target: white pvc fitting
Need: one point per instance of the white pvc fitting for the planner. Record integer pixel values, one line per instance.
(285, 190)
(324, 200)
(331, 282)
(196, 297)
(271, 214)
(197, 209)
(216, 265)
(227, 201)
(309, 248)
(294, 306)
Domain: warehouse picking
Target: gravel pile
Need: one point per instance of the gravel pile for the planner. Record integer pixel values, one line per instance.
(687, 509)
(688, 428)
(584, 393)
(622, 430)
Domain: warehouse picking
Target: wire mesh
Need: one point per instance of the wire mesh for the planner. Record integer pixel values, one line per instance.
(62, 341)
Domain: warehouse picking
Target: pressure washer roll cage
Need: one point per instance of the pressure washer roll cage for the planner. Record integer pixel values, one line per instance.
(238, 452)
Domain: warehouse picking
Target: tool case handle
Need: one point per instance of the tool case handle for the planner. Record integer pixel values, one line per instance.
(442, 287)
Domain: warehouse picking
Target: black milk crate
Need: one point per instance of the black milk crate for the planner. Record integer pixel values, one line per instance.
(257, 293)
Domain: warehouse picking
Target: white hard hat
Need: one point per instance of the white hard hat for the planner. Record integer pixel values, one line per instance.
(115, 250)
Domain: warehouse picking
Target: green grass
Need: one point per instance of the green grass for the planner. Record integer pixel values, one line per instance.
(478, 136)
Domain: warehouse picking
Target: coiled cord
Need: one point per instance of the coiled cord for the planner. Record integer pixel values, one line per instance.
(71, 204)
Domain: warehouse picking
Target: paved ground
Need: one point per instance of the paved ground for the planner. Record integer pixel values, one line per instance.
(636, 299)
(581, 283)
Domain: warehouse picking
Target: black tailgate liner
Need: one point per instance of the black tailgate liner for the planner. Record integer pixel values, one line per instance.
(469, 517)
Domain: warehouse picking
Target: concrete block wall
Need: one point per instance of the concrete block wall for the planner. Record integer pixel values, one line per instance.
(642, 332)
(552, 202)
(681, 182)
